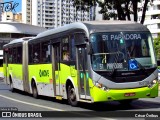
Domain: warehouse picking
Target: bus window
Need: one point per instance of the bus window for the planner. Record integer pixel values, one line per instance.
(132, 48)
(66, 56)
(73, 48)
(65, 49)
(30, 53)
(10, 56)
(144, 47)
(19, 55)
(36, 53)
(14, 58)
(45, 52)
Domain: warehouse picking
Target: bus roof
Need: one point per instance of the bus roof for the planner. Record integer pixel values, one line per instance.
(20, 40)
(97, 26)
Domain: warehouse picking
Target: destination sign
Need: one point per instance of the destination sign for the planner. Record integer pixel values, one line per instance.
(121, 36)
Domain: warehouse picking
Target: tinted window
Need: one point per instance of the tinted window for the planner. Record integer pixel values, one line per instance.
(19, 54)
(36, 53)
(45, 52)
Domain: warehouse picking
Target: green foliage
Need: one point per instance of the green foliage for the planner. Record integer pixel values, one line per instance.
(115, 9)
(157, 47)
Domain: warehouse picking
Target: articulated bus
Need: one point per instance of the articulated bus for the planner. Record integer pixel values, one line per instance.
(95, 61)
(14, 30)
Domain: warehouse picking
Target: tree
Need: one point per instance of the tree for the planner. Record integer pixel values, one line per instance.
(84, 5)
(144, 10)
(157, 47)
(116, 9)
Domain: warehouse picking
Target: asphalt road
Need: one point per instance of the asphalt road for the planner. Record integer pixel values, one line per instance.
(25, 102)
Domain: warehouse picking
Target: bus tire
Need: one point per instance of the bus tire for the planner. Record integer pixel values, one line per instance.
(71, 95)
(11, 86)
(34, 90)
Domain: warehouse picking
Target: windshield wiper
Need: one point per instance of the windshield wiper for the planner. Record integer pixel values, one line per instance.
(111, 74)
(139, 64)
(115, 61)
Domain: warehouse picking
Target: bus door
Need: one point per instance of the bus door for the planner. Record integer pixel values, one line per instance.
(83, 72)
(56, 69)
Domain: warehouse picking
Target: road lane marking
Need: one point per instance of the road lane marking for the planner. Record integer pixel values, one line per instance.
(41, 106)
(56, 109)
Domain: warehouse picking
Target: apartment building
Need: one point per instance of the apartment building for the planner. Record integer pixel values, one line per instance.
(51, 13)
(1, 1)
(27, 11)
(152, 18)
(18, 17)
(10, 16)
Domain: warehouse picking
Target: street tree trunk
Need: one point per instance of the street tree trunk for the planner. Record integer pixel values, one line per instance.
(135, 4)
(144, 11)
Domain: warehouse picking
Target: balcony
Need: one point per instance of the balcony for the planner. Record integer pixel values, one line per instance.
(151, 21)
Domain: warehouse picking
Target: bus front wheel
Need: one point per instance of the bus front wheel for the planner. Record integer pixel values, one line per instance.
(72, 99)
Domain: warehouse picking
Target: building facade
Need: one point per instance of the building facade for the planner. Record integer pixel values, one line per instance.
(51, 13)
(152, 18)
(7, 16)
(10, 16)
(1, 1)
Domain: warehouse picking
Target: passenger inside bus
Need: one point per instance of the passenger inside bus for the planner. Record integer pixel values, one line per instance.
(66, 56)
(132, 49)
(35, 60)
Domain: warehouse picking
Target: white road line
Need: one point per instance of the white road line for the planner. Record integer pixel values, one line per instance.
(41, 106)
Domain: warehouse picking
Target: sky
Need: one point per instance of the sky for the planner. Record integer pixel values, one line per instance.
(19, 7)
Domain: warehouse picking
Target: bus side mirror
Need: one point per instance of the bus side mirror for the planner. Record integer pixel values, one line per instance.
(86, 39)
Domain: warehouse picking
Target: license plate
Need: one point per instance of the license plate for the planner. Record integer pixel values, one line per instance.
(129, 94)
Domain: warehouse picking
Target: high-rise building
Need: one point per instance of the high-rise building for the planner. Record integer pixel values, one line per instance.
(27, 11)
(51, 13)
(1, 1)
(152, 18)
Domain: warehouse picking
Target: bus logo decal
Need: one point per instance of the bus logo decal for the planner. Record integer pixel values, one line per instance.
(44, 73)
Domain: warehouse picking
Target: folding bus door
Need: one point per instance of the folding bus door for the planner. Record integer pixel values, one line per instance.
(56, 69)
(83, 72)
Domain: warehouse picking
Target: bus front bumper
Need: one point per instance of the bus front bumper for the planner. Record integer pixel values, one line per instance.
(100, 95)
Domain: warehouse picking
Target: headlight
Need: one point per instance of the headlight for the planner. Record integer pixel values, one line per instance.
(153, 82)
(101, 86)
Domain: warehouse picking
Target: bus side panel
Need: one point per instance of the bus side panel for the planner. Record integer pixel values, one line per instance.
(1, 73)
(15, 71)
(68, 73)
(5, 72)
(42, 74)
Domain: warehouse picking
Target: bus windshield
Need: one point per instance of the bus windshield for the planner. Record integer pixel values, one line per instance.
(122, 51)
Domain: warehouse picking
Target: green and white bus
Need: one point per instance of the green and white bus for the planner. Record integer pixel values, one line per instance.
(94, 61)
